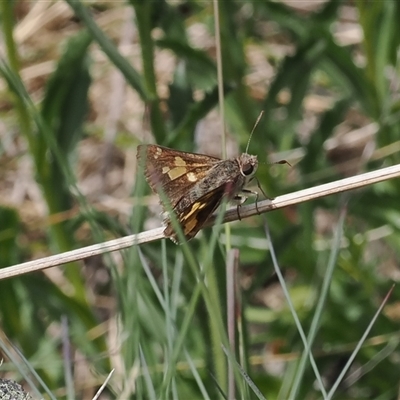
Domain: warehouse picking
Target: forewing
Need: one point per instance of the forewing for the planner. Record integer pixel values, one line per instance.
(171, 171)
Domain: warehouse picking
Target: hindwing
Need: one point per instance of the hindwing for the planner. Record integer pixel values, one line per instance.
(193, 217)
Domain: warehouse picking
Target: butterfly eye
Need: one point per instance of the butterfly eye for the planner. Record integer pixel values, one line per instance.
(247, 169)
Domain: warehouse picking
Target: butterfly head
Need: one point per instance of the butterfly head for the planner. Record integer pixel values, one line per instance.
(248, 165)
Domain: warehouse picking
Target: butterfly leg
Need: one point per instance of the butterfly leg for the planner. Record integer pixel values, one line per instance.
(239, 199)
(238, 212)
(262, 191)
(254, 193)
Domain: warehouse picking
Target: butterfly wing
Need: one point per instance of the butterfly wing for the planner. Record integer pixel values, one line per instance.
(193, 218)
(194, 210)
(194, 184)
(173, 172)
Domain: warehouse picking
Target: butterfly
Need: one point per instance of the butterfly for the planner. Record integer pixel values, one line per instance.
(194, 185)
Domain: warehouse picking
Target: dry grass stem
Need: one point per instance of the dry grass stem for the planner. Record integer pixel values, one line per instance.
(300, 196)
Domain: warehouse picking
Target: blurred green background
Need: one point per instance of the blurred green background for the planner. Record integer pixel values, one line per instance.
(84, 83)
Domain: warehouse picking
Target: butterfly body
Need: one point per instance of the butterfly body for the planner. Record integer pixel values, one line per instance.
(194, 184)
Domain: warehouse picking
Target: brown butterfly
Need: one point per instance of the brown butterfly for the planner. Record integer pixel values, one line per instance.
(195, 184)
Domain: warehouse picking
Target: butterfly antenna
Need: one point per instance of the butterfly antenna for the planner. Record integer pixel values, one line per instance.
(254, 128)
